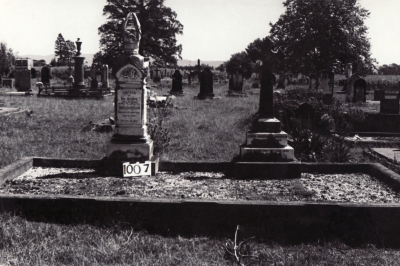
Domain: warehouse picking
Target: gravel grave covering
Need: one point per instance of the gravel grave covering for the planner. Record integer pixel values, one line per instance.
(201, 185)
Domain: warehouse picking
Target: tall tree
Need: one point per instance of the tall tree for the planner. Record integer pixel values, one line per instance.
(68, 52)
(97, 61)
(7, 58)
(322, 34)
(159, 27)
(59, 48)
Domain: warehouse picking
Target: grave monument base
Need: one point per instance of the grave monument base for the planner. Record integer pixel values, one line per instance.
(203, 96)
(139, 151)
(177, 93)
(249, 154)
(271, 125)
(236, 94)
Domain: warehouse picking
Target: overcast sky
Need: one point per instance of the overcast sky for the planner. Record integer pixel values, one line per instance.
(213, 29)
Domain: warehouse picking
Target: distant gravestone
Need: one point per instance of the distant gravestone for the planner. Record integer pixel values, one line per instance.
(98, 76)
(33, 73)
(360, 90)
(325, 81)
(94, 84)
(176, 83)
(389, 106)
(105, 77)
(236, 80)
(206, 84)
(23, 79)
(379, 95)
(8, 83)
(45, 76)
(313, 81)
(305, 111)
(92, 73)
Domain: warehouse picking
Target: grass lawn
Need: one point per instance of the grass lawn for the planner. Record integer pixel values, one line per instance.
(199, 131)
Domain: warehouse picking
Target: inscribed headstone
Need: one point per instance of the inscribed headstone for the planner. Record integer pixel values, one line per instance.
(236, 80)
(360, 89)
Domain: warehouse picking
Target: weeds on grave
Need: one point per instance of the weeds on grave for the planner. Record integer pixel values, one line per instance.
(240, 252)
(157, 129)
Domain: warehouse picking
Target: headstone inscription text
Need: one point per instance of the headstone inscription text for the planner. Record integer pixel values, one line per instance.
(129, 110)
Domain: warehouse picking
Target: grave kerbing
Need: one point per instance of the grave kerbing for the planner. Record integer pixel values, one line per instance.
(131, 142)
(266, 142)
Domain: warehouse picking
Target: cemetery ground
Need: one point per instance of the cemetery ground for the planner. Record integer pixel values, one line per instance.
(193, 130)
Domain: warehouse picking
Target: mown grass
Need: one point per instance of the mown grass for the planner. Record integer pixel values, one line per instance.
(24, 242)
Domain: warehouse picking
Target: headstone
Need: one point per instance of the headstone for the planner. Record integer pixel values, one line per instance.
(389, 106)
(99, 75)
(176, 83)
(360, 90)
(79, 68)
(33, 73)
(313, 81)
(305, 111)
(131, 142)
(94, 84)
(105, 83)
(236, 80)
(8, 83)
(379, 95)
(267, 143)
(23, 80)
(93, 73)
(206, 84)
(325, 81)
(45, 76)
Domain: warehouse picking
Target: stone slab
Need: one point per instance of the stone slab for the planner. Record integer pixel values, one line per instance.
(281, 137)
(18, 93)
(278, 154)
(387, 153)
(7, 110)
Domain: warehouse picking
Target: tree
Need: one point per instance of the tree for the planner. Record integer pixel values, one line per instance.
(68, 52)
(240, 60)
(7, 58)
(97, 60)
(323, 34)
(159, 28)
(59, 48)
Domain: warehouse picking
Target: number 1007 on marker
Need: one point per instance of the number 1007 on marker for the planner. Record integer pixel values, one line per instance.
(136, 169)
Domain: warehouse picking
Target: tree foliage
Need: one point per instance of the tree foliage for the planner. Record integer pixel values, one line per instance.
(159, 27)
(59, 47)
(69, 51)
(323, 34)
(392, 69)
(239, 60)
(7, 58)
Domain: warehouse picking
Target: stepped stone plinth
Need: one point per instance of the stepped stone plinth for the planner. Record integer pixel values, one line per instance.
(267, 142)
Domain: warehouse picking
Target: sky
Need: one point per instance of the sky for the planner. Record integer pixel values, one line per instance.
(213, 29)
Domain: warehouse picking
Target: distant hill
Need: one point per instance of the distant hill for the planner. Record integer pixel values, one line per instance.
(89, 59)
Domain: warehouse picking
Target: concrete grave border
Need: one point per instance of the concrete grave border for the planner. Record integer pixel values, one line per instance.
(283, 222)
